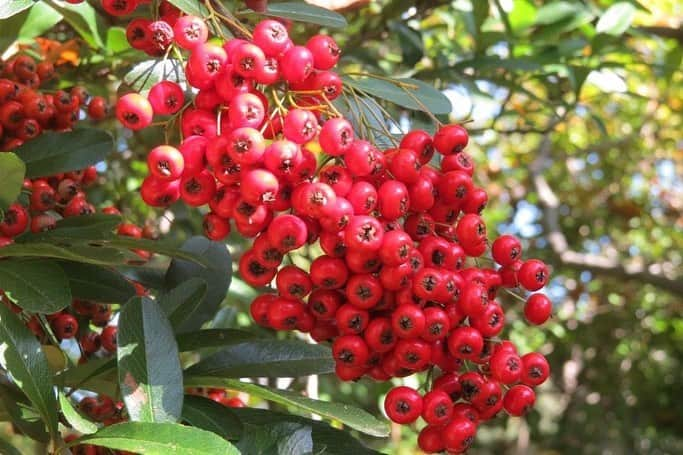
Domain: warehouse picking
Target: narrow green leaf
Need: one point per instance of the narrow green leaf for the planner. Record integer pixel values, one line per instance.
(145, 74)
(211, 338)
(282, 438)
(12, 7)
(208, 415)
(217, 274)
(93, 282)
(410, 41)
(557, 11)
(94, 226)
(38, 286)
(41, 18)
(346, 414)
(406, 92)
(181, 302)
(116, 40)
(20, 353)
(149, 367)
(75, 419)
(80, 253)
(159, 439)
(266, 358)
(84, 19)
(522, 16)
(367, 118)
(98, 375)
(12, 171)
(326, 440)
(617, 19)
(52, 152)
(7, 448)
(158, 246)
(480, 11)
(22, 414)
(193, 7)
(303, 12)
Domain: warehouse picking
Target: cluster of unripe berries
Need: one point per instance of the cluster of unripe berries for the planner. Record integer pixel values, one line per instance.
(26, 111)
(398, 288)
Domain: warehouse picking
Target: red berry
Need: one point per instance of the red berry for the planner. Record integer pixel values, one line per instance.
(519, 399)
(403, 405)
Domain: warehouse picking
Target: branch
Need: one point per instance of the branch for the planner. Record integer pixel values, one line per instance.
(654, 274)
(664, 32)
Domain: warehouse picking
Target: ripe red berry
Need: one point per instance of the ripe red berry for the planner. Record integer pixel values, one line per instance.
(437, 408)
(450, 139)
(538, 309)
(533, 274)
(403, 405)
(459, 435)
(166, 98)
(519, 399)
(65, 326)
(134, 111)
(535, 369)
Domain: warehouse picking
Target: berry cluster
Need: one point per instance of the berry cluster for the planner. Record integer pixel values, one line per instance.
(398, 287)
(25, 111)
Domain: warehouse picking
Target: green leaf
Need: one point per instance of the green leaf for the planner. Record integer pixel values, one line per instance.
(12, 7)
(93, 226)
(480, 11)
(406, 92)
(84, 19)
(11, 28)
(617, 19)
(20, 353)
(116, 40)
(41, 18)
(522, 16)
(211, 338)
(158, 246)
(7, 448)
(12, 171)
(159, 439)
(181, 302)
(53, 152)
(217, 274)
(367, 118)
(145, 74)
(98, 375)
(193, 7)
(410, 41)
(150, 377)
(38, 286)
(326, 440)
(348, 415)
(21, 414)
(93, 282)
(303, 12)
(75, 419)
(557, 11)
(266, 358)
(80, 253)
(282, 438)
(208, 415)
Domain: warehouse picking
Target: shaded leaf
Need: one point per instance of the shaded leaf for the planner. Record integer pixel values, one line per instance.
(12, 171)
(20, 353)
(41, 17)
(80, 253)
(410, 41)
(159, 439)
(21, 414)
(93, 282)
(217, 274)
(145, 74)
(303, 12)
(208, 415)
(79, 228)
(159, 246)
(406, 92)
(54, 152)
(149, 367)
(75, 419)
(355, 418)
(181, 302)
(84, 19)
(266, 358)
(326, 439)
(38, 286)
(7, 448)
(211, 338)
(282, 438)
(557, 11)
